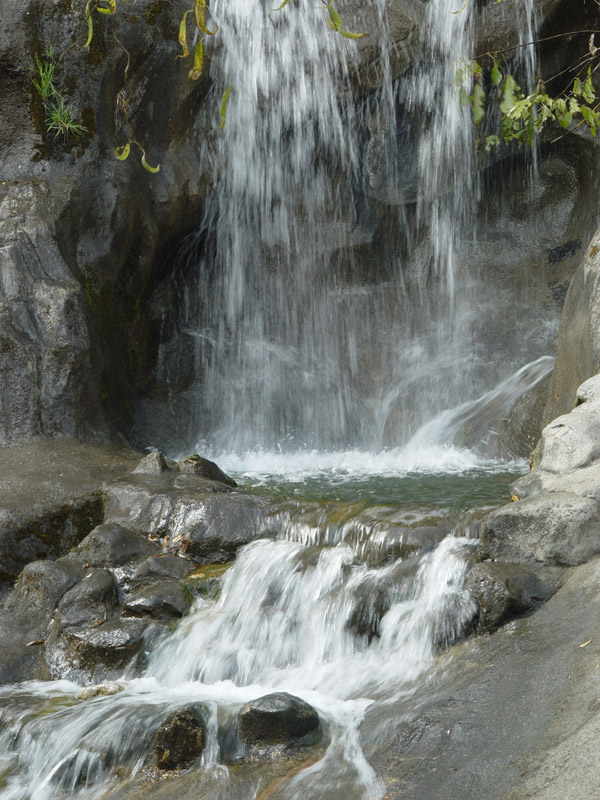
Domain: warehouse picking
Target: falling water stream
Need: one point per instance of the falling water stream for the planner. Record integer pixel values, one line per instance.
(309, 385)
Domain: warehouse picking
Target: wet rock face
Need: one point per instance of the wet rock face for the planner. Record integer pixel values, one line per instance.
(180, 739)
(197, 465)
(275, 722)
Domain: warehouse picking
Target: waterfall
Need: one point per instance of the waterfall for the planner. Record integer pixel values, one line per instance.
(339, 298)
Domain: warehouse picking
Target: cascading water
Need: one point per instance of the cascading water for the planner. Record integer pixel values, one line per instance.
(290, 617)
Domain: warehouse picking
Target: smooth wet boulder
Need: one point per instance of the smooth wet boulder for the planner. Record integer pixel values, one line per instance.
(277, 722)
(202, 519)
(181, 738)
(112, 545)
(42, 584)
(213, 531)
(504, 590)
(164, 601)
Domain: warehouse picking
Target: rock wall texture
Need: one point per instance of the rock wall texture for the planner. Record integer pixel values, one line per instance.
(80, 232)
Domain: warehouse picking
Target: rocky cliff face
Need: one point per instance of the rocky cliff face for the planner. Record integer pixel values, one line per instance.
(80, 233)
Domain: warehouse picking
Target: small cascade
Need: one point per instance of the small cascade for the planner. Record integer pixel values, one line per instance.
(309, 620)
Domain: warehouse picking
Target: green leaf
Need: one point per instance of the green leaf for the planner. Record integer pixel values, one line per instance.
(112, 7)
(589, 95)
(200, 11)
(88, 16)
(224, 102)
(279, 8)
(350, 35)
(492, 141)
(478, 99)
(496, 74)
(183, 36)
(196, 70)
(335, 17)
(147, 166)
(577, 87)
(122, 152)
(592, 119)
(510, 88)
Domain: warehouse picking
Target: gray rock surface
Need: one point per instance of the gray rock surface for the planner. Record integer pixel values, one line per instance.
(553, 528)
(80, 232)
(164, 601)
(556, 518)
(511, 716)
(579, 335)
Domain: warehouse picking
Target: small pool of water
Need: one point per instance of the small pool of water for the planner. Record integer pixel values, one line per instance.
(443, 476)
(457, 492)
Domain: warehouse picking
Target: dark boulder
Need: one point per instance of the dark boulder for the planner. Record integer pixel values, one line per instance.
(277, 722)
(163, 567)
(163, 601)
(181, 738)
(112, 545)
(504, 590)
(91, 601)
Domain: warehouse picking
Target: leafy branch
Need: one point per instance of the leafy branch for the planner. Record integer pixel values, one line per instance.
(523, 116)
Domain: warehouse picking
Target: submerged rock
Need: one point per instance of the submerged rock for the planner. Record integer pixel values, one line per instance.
(277, 722)
(181, 738)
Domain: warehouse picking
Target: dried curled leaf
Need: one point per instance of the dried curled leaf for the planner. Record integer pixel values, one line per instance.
(196, 70)
(224, 102)
(121, 153)
(335, 22)
(200, 12)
